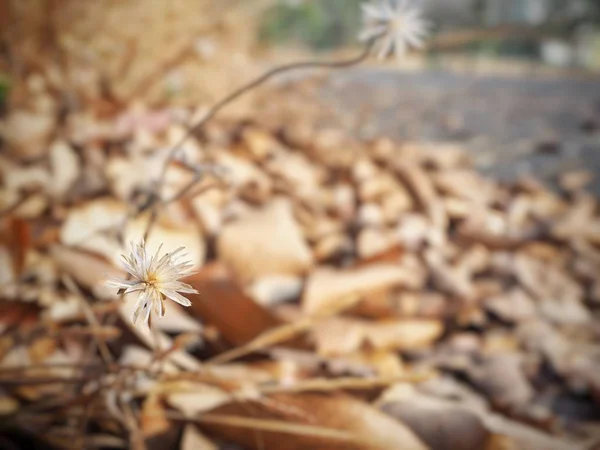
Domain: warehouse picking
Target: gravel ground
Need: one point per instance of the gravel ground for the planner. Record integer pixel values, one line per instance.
(512, 125)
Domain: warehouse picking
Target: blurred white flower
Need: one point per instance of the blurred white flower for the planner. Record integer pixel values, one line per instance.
(396, 24)
(155, 279)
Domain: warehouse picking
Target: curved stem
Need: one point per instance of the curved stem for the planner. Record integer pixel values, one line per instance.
(253, 84)
(155, 198)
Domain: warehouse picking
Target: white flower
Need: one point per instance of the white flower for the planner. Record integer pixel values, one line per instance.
(154, 279)
(396, 26)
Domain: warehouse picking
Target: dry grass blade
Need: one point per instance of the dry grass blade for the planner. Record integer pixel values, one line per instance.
(97, 331)
(335, 384)
(285, 332)
(278, 426)
(365, 426)
(267, 339)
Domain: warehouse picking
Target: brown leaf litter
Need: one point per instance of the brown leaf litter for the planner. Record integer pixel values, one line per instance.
(356, 295)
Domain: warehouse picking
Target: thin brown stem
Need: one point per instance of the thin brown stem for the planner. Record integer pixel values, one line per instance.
(257, 82)
(155, 198)
(91, 318)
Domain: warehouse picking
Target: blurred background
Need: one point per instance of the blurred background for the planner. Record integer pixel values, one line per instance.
(127, 39)
(190, 53)
(555, 32)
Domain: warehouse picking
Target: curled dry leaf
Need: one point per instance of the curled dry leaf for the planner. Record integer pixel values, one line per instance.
(299, 421)
(325, 286)
(265, 242)
(85, 269)
(422, 188)
(91, 226)
(339, 336)
(220, 295)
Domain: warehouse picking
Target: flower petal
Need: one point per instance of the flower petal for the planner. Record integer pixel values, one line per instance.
(139, 307)
(176, 297)
(119, 283)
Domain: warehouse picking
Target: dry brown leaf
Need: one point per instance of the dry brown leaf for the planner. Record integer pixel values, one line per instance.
(403, 334)
(356, 424)
(40, 349)
(193, 439)
(90, 225)
(422, 188)
(27, 133)
(300, 177)
(559, 297)
(65, 168)
(512, 306)
(223, 304)
(492, 230)
(503, 379)
(579, 221)
(194, 398)
(153, 419)
(465, 184)
(526, 437)
(85, 269)
(265, 242)
(446, 278)
(432, 415)
(374, 241)
(339, 335)
(440, 426)
(16, 235)
(540, 337)
(326, 285)
(24, 178)
(332, 246)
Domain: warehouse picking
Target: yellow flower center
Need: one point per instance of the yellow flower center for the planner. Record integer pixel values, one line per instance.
(396, 24)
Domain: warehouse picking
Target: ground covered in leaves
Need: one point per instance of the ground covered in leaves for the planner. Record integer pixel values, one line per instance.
(355, 294)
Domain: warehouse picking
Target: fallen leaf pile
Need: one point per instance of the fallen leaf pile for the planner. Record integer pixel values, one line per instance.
(353, 295)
